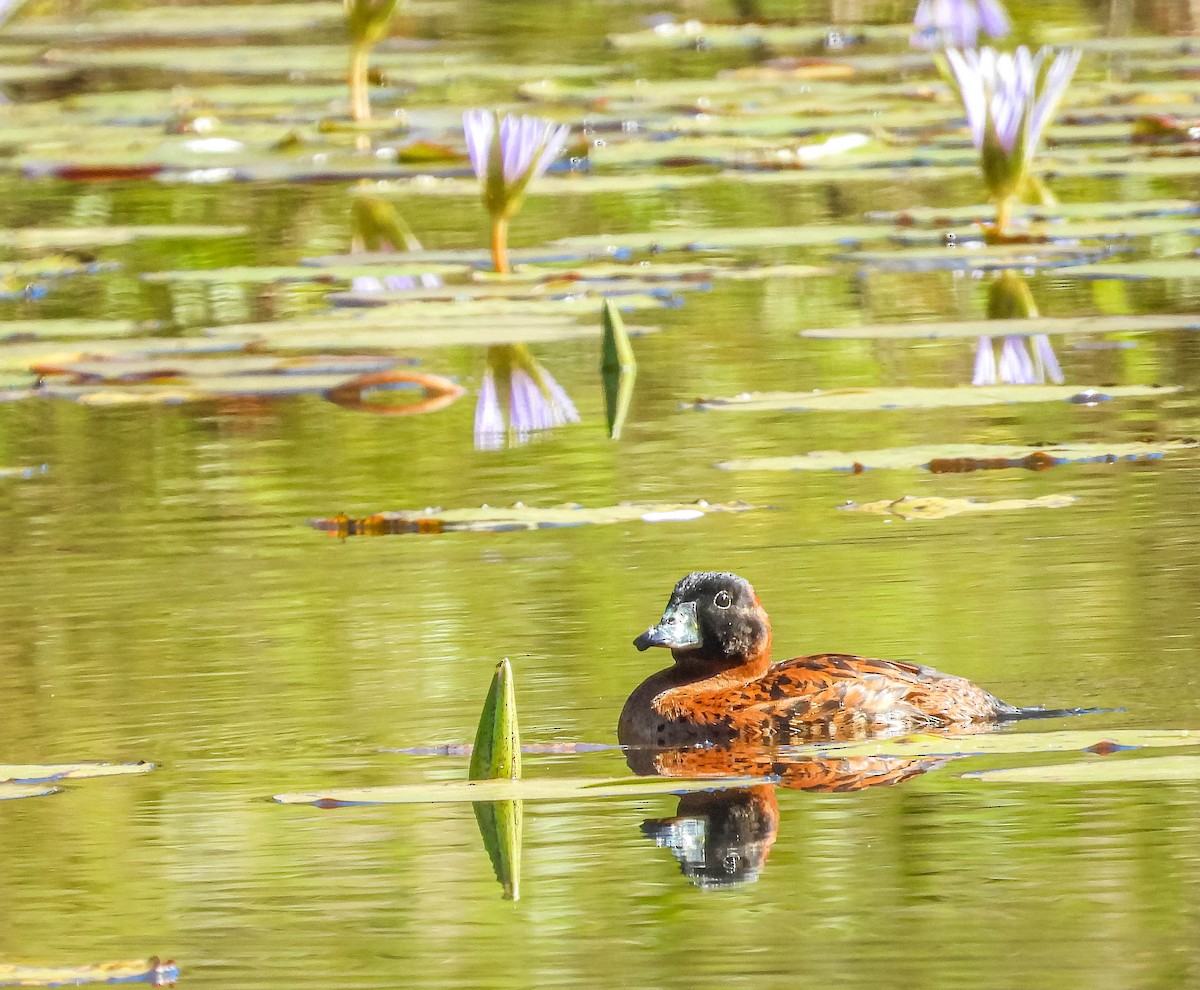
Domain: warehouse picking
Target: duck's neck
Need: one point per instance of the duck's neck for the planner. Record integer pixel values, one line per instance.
(721, 671)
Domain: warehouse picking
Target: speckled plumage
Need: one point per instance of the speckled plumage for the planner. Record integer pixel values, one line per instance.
(723, 686)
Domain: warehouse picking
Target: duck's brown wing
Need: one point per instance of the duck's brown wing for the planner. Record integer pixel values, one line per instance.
(836, 689)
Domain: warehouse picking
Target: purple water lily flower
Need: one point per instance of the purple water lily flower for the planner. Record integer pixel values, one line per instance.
(534, 399)
(507, 153)
(1009, 101)
(957, 23)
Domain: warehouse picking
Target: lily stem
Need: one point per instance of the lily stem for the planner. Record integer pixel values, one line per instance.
(1004, 207)
(500, 246)
(360, 102)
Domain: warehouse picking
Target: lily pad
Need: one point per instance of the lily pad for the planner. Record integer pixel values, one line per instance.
(156, 971)
(1123, 771)
(519, 517)
(978, 328)
(31, 773)
(23, 355)
(1138, 271)
(911, 397)
(12, 331)
(692, 34)
(937, 507)
(299, 273)
(949, 458)
(13, 792)
(70, 238)
(524, 789)
(982, 743)
(945, 216)
(981, 258)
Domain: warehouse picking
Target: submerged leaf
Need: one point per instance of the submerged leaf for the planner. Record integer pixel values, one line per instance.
(937, 507)
(952, 458)
(913, 397)
(542, 789)
(519, 517)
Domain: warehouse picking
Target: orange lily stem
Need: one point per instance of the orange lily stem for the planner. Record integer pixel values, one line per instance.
(500, 246)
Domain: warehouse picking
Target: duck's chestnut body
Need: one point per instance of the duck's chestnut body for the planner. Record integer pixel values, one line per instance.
(723, 686)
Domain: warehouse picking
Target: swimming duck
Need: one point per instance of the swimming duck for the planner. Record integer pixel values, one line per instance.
(723, 686)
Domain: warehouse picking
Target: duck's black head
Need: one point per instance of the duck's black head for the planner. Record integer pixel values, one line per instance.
(713, 616)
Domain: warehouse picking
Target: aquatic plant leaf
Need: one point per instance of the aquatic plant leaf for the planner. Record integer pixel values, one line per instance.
(12, 331)
(497, 749)
(950, 458)
(938, 507)
(520, 517)
(12, 792)
(67, 238)
(139, 369)
(618, 368)
(1136, 271)
(22, 355)
(913, 397)
(1122, 771)
(980, 259)
(496, 755)
(662, 289)
(156, 971)
(212, 21)
(693, 34)
(982, 743)
(1147, 323)
(29, 773)
(525, 789)
(299, 273)
(699, 239)
(946, 216)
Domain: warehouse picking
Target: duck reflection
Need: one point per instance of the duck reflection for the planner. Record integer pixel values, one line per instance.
(723, 838)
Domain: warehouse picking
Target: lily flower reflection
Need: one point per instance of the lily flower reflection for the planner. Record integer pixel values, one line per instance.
(379, 228)
(1023, 361)
(514, 380)
(507, 154)
(957, 23)
(1009, 100)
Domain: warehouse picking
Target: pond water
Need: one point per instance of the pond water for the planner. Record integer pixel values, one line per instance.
(163, 598)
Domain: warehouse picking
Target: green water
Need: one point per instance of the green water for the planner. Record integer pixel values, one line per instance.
(162, 599)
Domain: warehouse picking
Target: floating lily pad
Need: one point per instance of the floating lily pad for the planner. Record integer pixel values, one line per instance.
(65, 238)
(300, 273)
(692, 34)
(981, 743)
(950, 458)
(696, 239)
(12, 792)
(911, 397)
(1122, 771)
(560, 789)
(573, 289)
(153, 970)
(979, 328)
(12, 331)
(31, 773)
(980, 259)
(937, 507)
(945, 216)
(519, 517)
(23, 355)
(1137, 271)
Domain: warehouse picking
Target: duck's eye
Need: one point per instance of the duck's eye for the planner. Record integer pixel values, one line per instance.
(722, 600)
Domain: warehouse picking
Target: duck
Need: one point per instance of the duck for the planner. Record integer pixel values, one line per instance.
(723, 687)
